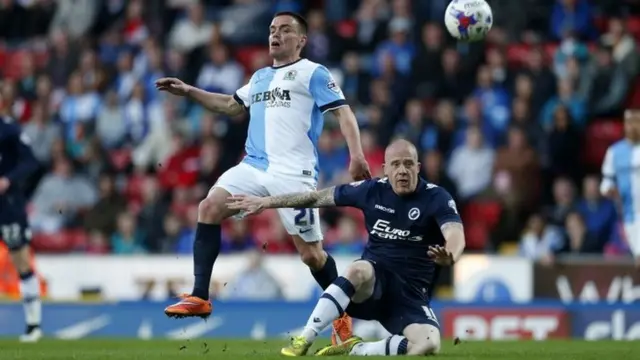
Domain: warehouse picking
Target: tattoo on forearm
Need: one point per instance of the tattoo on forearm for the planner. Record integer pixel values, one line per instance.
(313, 199)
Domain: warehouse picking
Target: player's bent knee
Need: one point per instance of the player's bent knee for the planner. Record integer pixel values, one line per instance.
(359, 273)
(213, 208)
(429, 346)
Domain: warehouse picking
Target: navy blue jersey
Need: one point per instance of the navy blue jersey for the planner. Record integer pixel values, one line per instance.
(401, 228)
(17, 161)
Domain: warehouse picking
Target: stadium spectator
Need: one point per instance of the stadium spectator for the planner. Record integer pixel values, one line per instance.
(192, 31)
(102, 215)
(426, 66)
(111, 127)
(60, 197)
(566, 97)
(564, 146)
(515, 177)
(599, 214)
(43, 132)
(127, 239)
(577, 239)
(433, 171)
(220, 74)
(237, 238)
(347, 229)
(471, 165)
(572, 16)
(608, 84)
(563, 201)
(253, 283)
(623, 46)
(151, 211)
(540, 240)
(74, 17)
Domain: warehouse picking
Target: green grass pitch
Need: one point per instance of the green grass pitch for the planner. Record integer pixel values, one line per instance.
(219, 349)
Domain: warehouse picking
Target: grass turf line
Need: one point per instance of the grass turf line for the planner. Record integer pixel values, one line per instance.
(220, 349)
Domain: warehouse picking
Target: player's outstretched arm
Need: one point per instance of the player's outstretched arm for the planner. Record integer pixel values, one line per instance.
(313, 199)
(358, 167)
(218, 103)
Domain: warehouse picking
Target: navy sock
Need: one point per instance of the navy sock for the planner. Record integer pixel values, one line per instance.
(206, 248)
(327, 275)
(27, 275)
(346, 286)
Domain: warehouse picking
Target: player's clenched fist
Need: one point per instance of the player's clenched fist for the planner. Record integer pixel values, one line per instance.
(172, 85)
(359, 169)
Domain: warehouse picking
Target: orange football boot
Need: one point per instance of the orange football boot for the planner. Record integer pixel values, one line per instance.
(343, 328)
(189, 306)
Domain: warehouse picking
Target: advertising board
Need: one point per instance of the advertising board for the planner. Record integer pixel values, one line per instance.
(588, 281)
(493, 323)
(484, 278)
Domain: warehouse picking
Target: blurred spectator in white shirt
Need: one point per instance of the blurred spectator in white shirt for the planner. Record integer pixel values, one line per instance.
(471, 165)
(192, 31)
(220, 74)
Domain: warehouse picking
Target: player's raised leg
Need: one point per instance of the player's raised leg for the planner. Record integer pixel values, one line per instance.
(304, 227)
(206, 246)
(30, 291)
(324, 271)
(357, 284)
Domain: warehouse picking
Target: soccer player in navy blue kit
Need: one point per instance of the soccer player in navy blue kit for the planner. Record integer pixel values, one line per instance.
(17, 163)
(414, 227)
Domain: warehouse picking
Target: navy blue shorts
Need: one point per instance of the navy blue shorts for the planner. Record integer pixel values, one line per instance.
(14, 226)
(394, 304)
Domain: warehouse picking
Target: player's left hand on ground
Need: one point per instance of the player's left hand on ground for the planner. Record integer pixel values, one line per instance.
(4, 185)
(359, 169)
(440, 255)
(250, 204)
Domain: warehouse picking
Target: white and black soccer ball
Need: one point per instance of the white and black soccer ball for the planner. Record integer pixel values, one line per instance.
(468, 20)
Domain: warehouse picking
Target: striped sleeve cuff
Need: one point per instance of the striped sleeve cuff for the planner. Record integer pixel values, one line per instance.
(333, 105)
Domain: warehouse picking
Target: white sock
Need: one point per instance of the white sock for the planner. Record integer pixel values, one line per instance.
(394, 345)
(331, 305)
(30, 290)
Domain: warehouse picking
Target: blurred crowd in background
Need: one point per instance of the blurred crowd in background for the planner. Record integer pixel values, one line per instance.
(514, 127)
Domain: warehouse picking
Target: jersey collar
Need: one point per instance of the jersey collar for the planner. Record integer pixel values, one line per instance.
(285, 65)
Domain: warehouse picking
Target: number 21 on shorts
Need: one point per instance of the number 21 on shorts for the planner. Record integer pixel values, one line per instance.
(304, 217)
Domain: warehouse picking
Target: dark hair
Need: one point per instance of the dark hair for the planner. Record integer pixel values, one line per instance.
(304, 26)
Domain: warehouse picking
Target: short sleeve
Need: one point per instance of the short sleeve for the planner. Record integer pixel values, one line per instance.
(445, 209)
(325, 91)
(608, 173)
(242, 96)
(353, 194)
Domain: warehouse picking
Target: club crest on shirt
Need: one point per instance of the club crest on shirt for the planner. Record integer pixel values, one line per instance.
(290, 75)
(414, 213)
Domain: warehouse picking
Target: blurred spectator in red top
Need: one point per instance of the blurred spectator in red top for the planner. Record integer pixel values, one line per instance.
(181, 169)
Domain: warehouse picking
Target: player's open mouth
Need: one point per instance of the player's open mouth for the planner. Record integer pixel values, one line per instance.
(275, 44)
(403, 182)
